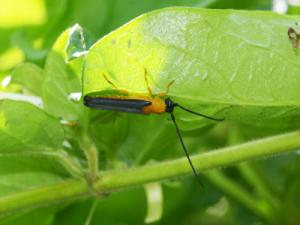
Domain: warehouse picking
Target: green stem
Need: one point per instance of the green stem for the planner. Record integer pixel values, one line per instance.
(116, 180)
(213, 159)
(89, 148)
(92, 212)
(92, 158)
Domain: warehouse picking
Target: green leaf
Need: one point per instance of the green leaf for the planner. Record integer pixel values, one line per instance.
(27, 134)
(120, 137)
(30, 76)
(61, 80)
(257, 83)
(24, 127)
(22, 171)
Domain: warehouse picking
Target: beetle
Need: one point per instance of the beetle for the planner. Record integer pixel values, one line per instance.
(144, 104)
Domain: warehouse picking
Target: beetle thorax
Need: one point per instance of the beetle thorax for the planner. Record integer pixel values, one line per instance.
(157, 106)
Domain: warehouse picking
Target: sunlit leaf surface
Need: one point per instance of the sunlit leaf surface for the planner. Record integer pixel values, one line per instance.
(191, 46)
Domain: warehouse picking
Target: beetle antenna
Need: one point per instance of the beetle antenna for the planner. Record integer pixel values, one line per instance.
(196, 113)
(184, 148)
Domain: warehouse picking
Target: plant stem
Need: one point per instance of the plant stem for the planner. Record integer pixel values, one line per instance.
(111, 181)
(92, 158)
(115, 180)
(91, 212)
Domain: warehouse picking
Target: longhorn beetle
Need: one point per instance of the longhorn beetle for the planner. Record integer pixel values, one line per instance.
(139, 104)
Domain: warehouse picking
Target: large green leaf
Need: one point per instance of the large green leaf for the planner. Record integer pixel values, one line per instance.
(24, 127)
(120, 137)
(234, 64)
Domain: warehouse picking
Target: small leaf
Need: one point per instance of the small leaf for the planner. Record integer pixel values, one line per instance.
(24, 127)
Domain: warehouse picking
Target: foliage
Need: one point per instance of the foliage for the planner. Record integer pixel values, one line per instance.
(51, 153)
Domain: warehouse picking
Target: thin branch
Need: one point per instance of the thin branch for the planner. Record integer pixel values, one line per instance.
(116, 180)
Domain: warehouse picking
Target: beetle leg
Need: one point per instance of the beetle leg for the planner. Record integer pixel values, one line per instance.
(167, 89)
(147, 82)
(108, 81)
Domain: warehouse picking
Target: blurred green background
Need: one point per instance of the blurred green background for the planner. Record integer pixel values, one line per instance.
(252, 193)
